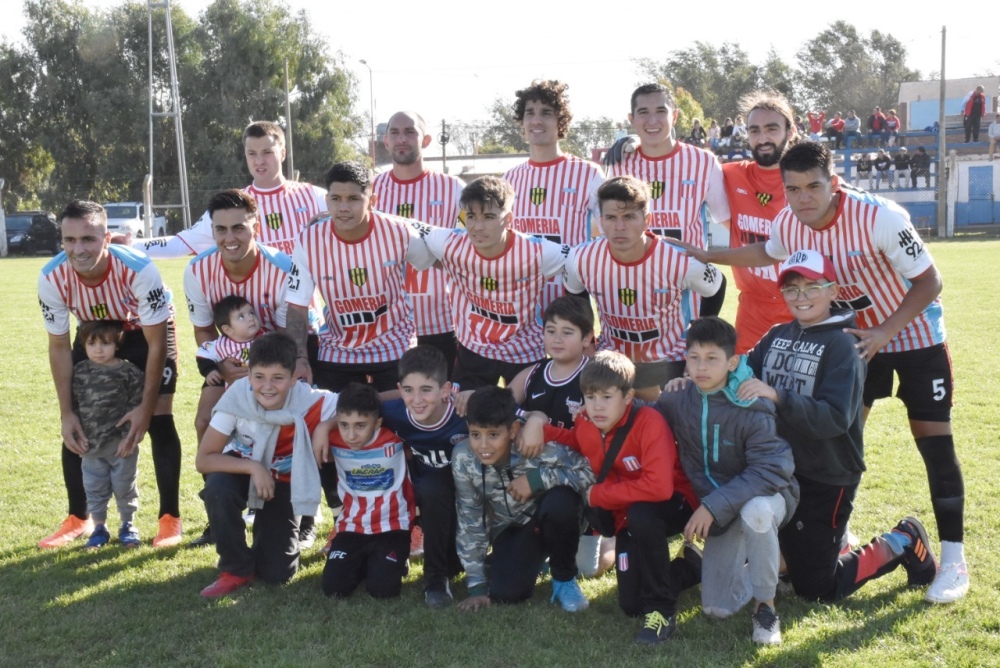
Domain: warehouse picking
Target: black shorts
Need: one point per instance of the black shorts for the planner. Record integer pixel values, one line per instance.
(335, 377)
(925, 381)
(135, 349)
(473, 371)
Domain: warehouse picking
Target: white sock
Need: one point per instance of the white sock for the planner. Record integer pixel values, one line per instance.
(952, 553)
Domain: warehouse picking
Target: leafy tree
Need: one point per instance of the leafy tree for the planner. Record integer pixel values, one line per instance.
(843, 69)
(587, 134)
(502, 133)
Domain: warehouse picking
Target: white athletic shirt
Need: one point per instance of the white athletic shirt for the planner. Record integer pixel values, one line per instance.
(643, 313)
(431, 198)
(875, 251)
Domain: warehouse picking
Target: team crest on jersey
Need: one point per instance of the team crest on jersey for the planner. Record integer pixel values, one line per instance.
(359, 276)
(537, 195)
(631, 464)
(764, 198)
(245, 355)
(273, 220)
(389, 450)
(405, 210)
(656, 189)
(626, 296)
(99, 311)
(487, 283)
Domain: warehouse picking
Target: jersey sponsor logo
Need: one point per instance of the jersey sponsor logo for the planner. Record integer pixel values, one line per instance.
(392, 557)
(631, 463)
(435, 459)
(627, 296)
(336, 554)
(850, 296)
(361, 311)
(273, 220)
(742, 191)
(99, 311)
(764, 198)
(488, 283)
(371, 478)
(537, 195)
(405, 210)
(157, 299)
(359, 276)
(535, 396)
(656, 189)
(546, 228)
(665, 224)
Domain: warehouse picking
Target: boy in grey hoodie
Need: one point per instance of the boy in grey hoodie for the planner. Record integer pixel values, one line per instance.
(741, 471)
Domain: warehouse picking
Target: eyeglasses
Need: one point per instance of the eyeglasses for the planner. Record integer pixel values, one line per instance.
(793, 293)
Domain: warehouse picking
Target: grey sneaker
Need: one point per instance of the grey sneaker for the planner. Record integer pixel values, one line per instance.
(766, 626)
(438, 595)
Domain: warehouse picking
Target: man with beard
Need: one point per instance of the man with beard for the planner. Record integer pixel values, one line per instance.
(412, 191)
(756, 194)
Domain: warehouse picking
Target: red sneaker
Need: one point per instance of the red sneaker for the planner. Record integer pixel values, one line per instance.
(416, 541)
(71, 529)
(170, 532)
(226, 585)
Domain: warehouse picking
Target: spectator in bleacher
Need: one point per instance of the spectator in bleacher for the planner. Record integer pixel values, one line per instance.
(882, 163)
(726, 133)
(835, 130)
(852, 128)
(714, 134)
(864, 170)
(893, 125)
(994, 134)
(973, 110)
(697, 136)
(920, 165)
(816, 119)
(902, 164)
(800, 124)
(876, 127)
(740, 136)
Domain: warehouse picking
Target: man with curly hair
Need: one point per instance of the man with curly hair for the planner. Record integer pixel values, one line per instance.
(556, 194)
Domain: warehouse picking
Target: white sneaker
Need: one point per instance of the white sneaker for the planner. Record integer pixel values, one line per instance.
(950, 585)
(766, 626)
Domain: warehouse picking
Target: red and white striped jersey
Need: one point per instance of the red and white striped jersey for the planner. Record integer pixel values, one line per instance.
(496, 311)
(224, 347)
(431, 198)
(556, 200)
(368, 316)
(373, 484)
(131, 291)
(643, 313)
(206, 283)
(282, 213)
(874, 250)
(683, 184)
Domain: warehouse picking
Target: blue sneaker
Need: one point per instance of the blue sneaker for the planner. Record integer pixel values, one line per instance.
(128, 535)
(569, 595)
(99, 538)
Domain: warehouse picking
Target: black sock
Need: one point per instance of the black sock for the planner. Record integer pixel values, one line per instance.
(73, 479)
(166, 463)
(944, 474)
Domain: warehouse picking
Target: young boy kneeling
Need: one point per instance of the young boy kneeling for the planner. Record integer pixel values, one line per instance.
(257, 452)
(742, 472)
(372, 543)
(529, 509)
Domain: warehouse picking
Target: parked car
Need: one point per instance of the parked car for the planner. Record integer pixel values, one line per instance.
(32, 231)
(125, 217)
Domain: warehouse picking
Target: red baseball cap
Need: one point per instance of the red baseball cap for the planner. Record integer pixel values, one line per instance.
(808, 263)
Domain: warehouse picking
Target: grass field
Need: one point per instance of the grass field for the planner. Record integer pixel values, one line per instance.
(141, 607)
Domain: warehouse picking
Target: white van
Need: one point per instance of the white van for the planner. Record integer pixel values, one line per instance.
(128, 217)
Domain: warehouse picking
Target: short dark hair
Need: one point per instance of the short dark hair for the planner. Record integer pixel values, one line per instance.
(550, 92)
(425, 360)
(349, 172)
(607, 369)
(649, 89)
(273, 349)
(264, 129)
(232, 199)
(491, 406)
(625, 189)
(82, 208)
(488, 191)
(106, 331)
(223, 309)
(360, 399)
(712, 330)
(806, 156)
(573, 310)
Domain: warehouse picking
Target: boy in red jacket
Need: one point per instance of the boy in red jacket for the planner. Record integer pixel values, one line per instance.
(645, 490)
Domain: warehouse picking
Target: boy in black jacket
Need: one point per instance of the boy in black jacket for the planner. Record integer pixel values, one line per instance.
(811, 371)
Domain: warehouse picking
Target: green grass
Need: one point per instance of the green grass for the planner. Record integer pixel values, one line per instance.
(117, 608)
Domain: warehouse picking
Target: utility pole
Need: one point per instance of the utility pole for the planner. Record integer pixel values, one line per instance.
(288, 130)
(942, 176)
(444, 146)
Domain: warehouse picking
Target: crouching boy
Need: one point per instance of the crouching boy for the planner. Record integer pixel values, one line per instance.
(527, 508)
(741, 471)
(257, 452)
(372, 543)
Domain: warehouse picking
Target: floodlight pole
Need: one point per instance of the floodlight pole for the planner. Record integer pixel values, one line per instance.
(942, 181)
